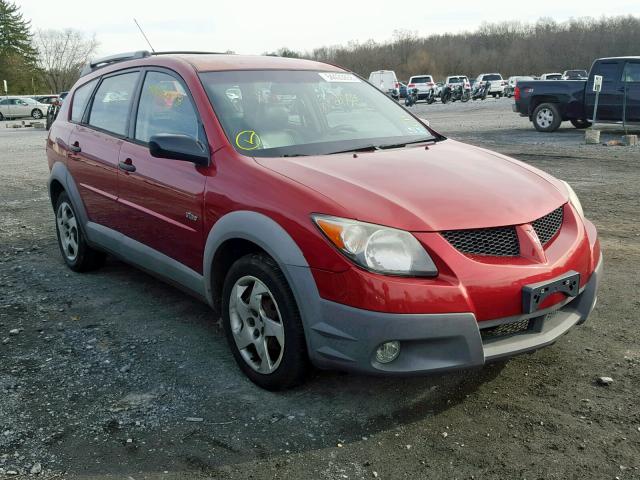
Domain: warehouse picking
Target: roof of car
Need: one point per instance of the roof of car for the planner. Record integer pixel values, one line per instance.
(204, 63)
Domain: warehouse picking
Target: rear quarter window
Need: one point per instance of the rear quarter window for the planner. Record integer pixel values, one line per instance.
(80, 100)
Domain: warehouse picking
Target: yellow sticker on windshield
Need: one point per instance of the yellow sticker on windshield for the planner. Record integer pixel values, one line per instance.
(248, 140)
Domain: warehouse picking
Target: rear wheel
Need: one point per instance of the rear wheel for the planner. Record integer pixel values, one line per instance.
(581, 123)
(546, 117)
(262, 323)
(78, 256)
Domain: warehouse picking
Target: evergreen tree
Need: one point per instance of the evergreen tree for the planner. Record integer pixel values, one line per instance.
(17, 53)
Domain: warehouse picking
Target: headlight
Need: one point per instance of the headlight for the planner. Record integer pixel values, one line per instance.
(573, 198)
(377, 248)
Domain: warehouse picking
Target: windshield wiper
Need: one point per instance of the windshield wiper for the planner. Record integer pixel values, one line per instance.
(366, 148)
(400, 145)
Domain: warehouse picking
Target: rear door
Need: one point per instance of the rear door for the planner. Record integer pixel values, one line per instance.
(161, 200)
(96, 140)
(610, 99)
(631, 84)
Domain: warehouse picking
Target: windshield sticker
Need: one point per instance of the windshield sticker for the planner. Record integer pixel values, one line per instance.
(339, 77)
(248, 140)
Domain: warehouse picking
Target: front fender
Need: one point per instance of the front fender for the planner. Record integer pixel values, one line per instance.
(273, 239)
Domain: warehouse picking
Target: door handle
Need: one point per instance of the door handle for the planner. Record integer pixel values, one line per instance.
(127, 166)
(75, 148)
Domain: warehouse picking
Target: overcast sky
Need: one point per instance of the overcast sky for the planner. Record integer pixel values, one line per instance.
(252, 26)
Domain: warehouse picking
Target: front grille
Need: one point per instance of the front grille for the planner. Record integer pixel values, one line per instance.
(505, 329)
(497, 242)
(547, 226)
(503, 241)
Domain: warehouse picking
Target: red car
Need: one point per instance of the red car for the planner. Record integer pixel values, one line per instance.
(324, 222)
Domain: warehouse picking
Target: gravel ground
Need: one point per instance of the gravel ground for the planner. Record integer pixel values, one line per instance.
(114, 374)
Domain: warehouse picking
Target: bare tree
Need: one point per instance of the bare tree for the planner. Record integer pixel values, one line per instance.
(61, 55)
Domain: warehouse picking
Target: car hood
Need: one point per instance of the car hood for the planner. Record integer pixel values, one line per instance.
(448, 186)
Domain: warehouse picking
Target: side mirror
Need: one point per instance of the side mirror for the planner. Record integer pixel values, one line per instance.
(178, 147)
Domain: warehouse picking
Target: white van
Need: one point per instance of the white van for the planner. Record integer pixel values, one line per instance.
(386, 81)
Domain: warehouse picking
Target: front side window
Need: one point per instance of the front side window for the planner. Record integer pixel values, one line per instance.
(110, 107)
(285, 113)
(610, 71)
(80, 99)
(164, 108)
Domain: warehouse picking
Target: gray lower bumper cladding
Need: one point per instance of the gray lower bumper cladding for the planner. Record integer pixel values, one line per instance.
(346, 338)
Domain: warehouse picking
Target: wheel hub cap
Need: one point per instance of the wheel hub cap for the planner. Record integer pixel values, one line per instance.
(256, 324)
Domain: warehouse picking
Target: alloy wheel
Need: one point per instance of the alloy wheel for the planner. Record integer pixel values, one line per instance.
(545, 117)
(256, 324)
(68, 231)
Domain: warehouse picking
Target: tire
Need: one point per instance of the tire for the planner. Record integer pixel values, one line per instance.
(76, 253)
(36, 113)
(546, 117)
(1, 117)
(580, 123)
(270, 362)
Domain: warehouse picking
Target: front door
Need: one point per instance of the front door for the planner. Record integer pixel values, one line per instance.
(631, 82)
(161, 200)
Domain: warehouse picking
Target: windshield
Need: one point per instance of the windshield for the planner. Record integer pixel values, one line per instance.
(455, 80)
(492, 77)
(274, 113)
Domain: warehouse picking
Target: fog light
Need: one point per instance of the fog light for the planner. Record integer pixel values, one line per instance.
(388, 352)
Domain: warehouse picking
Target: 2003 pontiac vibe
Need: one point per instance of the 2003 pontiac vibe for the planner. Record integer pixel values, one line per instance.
(325, 223)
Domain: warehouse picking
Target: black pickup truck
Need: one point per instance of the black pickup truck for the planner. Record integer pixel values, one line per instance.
(548, 103)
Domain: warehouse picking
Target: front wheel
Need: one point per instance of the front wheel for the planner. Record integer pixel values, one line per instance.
(36, 113)
(581, 123)
(263, 325)
(546, 117)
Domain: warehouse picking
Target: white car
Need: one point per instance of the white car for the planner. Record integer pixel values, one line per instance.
(386, 81)
(424, 83)
(18, 107)
(511, 84)
(551, 76)
(456, 79)
(497, 83)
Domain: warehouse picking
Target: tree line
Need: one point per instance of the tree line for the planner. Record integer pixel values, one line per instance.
(47, 61)
(510, 48)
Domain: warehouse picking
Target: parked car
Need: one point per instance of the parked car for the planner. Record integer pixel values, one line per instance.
(386, 81)
(548, 104)
(46, 99)
(575, 75)
(291, 222)
(423, 83)
(497, 83)
(551, 76)
(511, 85)
(20, 107)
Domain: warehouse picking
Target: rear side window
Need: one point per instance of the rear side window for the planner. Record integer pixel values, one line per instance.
(80, 99)
(631, 73)
(110, 108)
(164, 108)
(610, 71)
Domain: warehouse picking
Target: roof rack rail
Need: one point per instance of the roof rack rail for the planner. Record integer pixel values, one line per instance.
(120, 57)
(186, 52)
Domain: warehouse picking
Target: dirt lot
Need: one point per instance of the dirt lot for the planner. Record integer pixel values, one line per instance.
(114, 374)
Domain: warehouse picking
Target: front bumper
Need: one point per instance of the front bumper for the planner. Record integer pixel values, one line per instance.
(346, 338)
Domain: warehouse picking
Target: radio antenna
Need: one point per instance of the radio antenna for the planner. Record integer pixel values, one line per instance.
(145, 37)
